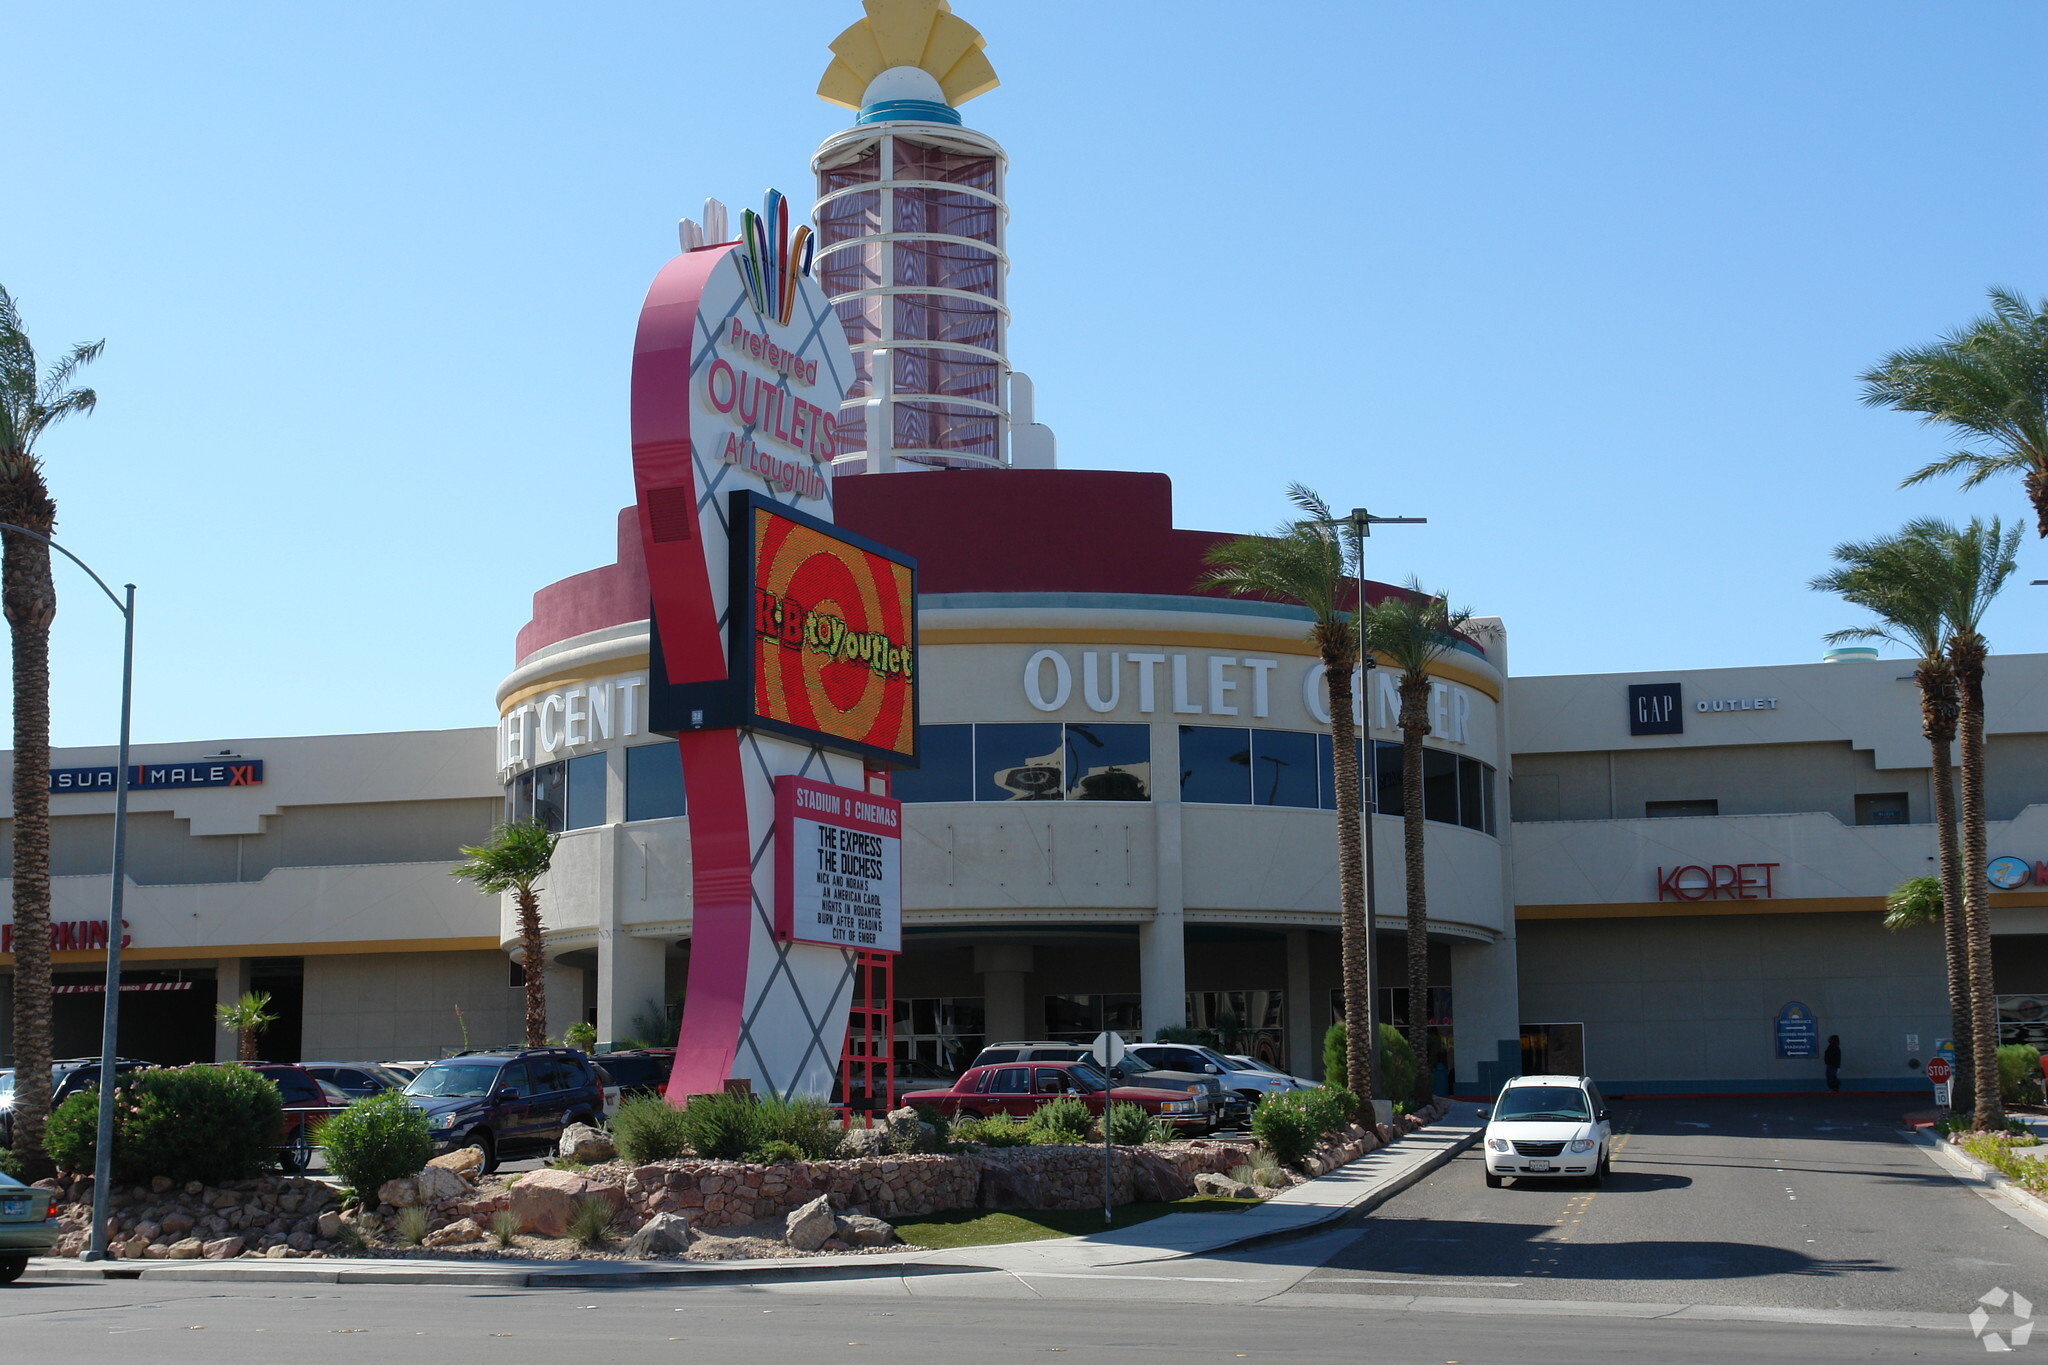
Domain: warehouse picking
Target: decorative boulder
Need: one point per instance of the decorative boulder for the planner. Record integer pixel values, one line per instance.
(665, 1234)
(908, 1132)
(464, 1161)
(401, 1193)
(1007, 1187)
(1224, 1187)
(190, 1249)
(860, 1142)
(460, 1231)
(809, 1227)
(857, 1229)
(225, 1249)
(581, 1142)
(437, 1183)
(543, 1200)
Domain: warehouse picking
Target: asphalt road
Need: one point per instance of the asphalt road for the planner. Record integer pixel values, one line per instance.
(1813, 1203)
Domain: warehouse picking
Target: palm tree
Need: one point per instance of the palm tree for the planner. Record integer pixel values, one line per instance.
(1987, 381)
(1902, 580)
(1413, 630)
(1304, 562)
(31, 404)
(246, 1018)
(1979, 557)
(1914, 902)
(516, 857)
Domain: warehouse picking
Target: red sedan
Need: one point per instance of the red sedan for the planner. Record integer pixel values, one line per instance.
(308, 1103)
(985, 1091)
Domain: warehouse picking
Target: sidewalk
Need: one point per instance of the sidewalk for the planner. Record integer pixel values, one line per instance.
(1355, 1189)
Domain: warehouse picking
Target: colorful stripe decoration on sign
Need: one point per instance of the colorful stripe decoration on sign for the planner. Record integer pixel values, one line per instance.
(771, 261)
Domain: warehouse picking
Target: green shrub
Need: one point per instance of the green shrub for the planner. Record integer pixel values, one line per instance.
(206, 1123)
(2019, 1073)
(803, 1123)
(1336, 1050)
(1284, 1127)
(775, 1149)
(1130, 1126)
(649, 1128)
(1000, 1130)
(719, 1126)
(381, 1137)
(583, 1036)
(1330, 1107)
(11, 1163)
(1397, 1065)
(412, 1225)
(1262, 1171)
(504, 1227)
(589, 1220)
(1064, 1120)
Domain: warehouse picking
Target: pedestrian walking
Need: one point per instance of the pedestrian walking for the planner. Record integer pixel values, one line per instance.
(1832, 1060)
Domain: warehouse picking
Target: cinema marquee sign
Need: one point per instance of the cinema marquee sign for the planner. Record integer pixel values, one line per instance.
(1716, 882)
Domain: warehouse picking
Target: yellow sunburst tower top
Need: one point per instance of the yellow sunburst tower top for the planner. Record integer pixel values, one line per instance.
(908, 59)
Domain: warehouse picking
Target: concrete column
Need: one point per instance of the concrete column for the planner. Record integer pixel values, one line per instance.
(632, 975)
(1005, 1006)
(1304, 1054)
(1487, 1028)
(1162, 941)
(230, 983)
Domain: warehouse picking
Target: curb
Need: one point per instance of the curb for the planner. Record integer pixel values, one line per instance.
(1989, 1182)
(616, 1275)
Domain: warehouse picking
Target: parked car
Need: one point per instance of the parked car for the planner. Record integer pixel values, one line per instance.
(26, 1227)
(308, 1103)
(609, 1091)
(1228, 1107)
(405, 1069)
(1250, 1081)
(1547, 1127)
(507, 1104)
(66, 1078)
(985, 1091)
(1300, 1082)
(358, 1080)
(639, 1071)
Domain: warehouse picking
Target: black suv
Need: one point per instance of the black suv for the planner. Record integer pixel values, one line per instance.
(67, 1077)
(1227, 1105)
(509, 1104)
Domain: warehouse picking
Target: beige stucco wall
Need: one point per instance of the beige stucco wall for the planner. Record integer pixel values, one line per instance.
(402, 1005)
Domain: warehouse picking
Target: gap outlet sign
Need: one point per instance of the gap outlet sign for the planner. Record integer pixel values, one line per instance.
(841, 876)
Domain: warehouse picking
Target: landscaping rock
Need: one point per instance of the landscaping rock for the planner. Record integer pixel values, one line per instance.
(1224, 1187)
(543, 1200)
(857, 1229)
(581, 1142)
(665, 1234)
(909, 1133)
(460, 1231)
(436, 1183)
(328, 1226)
(807, 1228)
(190, 1249)
(1008, 1187)
(278, 1252)
(464, 1161)
(226, 1249)
(860, 1142)
(401, 1193)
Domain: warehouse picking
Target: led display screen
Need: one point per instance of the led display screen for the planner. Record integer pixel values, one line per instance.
(834, 649)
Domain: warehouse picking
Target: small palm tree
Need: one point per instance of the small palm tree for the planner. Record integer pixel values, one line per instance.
(246, 1018)
(1903, 581)
(1912, 903)
(517, 856)
(1987, 381)
(1304, 562)
(1413, 630)
(30, 404)
(1979, 559)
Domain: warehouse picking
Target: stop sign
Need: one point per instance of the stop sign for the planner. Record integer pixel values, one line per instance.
(1938, 1070)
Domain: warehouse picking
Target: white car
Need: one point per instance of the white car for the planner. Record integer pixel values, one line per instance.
(1254, 1064)
(1251, 1081)
(1547, 1128)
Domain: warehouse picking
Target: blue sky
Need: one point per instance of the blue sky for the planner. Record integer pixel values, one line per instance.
(1587, 285)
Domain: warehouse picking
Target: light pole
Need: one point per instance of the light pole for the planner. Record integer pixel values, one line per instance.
(110, 1019)
(1360, 523)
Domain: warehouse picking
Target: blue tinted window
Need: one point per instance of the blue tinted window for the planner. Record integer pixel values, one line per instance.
(1019, 762)
(1109, 762)
(1440, 786)
(1283, 768)
(945, 770)
(1386, 776)
(1471, 794)
(1326, 771)
(586, 791)
(551, 796)
(1215, 765)
(654, 781)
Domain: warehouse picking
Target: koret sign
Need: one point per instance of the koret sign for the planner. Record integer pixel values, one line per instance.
(1715, 882)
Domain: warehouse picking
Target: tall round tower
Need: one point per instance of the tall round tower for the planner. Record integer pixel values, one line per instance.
(910, 221)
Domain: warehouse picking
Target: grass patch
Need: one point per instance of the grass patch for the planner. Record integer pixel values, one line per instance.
(985, 1227)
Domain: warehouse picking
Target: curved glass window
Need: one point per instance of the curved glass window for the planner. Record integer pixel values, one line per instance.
(1283, 768)
(654, 781)
(1109, 762)
(1034, 761)
(1216, 764)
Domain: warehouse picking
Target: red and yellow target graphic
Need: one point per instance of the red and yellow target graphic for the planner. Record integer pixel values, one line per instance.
(834, 637)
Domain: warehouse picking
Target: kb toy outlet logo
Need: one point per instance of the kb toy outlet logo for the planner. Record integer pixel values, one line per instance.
(1997, 1301)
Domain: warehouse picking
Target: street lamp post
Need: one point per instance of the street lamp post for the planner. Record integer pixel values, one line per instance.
(110, 1019)
(1360, 523)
